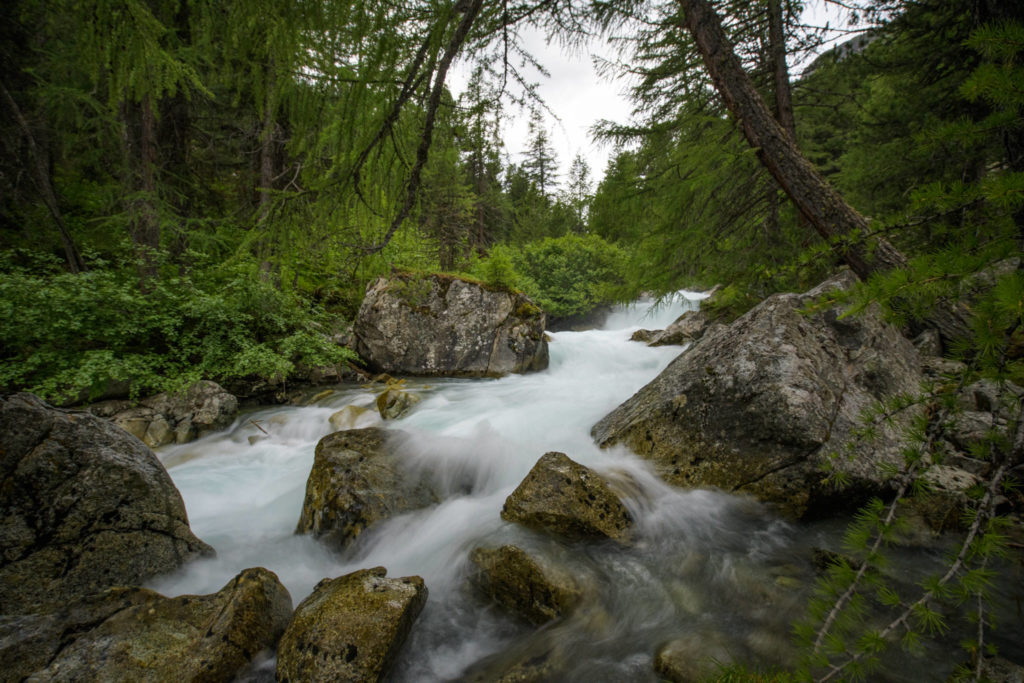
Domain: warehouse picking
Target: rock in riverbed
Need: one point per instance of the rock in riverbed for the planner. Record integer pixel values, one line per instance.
(86, 507)
(351, 628)
(564, 498)
(134, 634)
(758, 406)
(439, 325)
(355, 482)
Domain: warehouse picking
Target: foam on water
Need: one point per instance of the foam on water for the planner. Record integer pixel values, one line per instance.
(243, 490)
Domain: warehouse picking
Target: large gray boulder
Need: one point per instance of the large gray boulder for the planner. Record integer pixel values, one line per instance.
(562, 497)
(350, 628)
(173, 417)
(134, 634)
(84, 506)
(759, 405)
(439, 325)
(355, 482)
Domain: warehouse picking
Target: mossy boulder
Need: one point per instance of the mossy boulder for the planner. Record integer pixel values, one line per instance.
(135, 634)
(693, 657)
(439, 325)
(85, 506)
(350, 628)
(563, 497)
(526, 585)
(760, 405)
(355, 482)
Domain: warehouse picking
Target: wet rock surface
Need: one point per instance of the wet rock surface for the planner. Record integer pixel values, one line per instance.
(562, 497)
(350, 628)
(355, 482)
(759, 405)
(524, 584)
(437, 325)
(134, 634)
(86, 507)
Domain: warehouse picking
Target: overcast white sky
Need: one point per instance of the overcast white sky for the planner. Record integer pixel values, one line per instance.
(580, 98)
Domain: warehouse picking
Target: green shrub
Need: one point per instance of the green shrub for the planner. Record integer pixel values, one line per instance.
(62, 335)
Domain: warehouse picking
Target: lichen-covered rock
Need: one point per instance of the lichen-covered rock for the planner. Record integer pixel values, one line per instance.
(524, 584)
(438, 325)
(562, 497)
(350, 628)
(85, 507)
(134, 634)
(355, 482)
(758, 406)
(173, 417)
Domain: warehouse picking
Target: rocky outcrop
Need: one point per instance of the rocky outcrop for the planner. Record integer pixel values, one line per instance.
(350, 628)
(134, 634)
(355, 482)
(564, 498)
(173, 418)
(85, 507)
(524, 584)
(438, 325)
(759, 405)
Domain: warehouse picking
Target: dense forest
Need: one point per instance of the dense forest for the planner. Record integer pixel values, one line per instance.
(194, 190)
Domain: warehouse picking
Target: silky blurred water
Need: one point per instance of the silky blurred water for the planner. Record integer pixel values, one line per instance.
(715, 568)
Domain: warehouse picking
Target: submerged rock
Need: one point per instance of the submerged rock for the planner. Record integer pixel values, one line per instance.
(134, 634)
(525, 585)
(693, 657)
(350, 628)
(347, 417)
(393, 403)
(172, 417)
(758, 406)
(85, 507)
(439, 325)
(562, 497)
(356, 482)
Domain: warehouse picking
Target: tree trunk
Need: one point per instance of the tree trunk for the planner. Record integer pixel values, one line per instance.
(780, 71)
(42, 178)
(143, 154)
(824, 208)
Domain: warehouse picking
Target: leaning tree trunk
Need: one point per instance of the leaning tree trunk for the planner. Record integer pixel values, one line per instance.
(823, 208)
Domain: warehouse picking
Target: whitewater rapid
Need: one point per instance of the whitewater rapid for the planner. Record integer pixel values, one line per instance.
(697, 550)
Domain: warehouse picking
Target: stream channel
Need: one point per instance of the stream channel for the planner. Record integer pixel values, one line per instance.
(717, 573)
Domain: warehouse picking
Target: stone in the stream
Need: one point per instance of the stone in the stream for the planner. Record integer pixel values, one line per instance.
(439, 325)
(564, 498)
(85, 506)
(524, 584)
(135, 634)
(350, 628)
(355, 482)
(347, 417)
(393, 403)
(759, 406)
(693, 657)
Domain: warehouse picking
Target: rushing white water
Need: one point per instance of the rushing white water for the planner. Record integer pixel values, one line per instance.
(697, 550)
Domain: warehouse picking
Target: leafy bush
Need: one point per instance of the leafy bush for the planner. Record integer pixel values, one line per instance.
(65, 335)
(573, 274)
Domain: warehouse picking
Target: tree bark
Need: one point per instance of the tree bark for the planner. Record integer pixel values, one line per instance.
(823, 208)
(826, 211)
(780, 71)
(42, 178)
